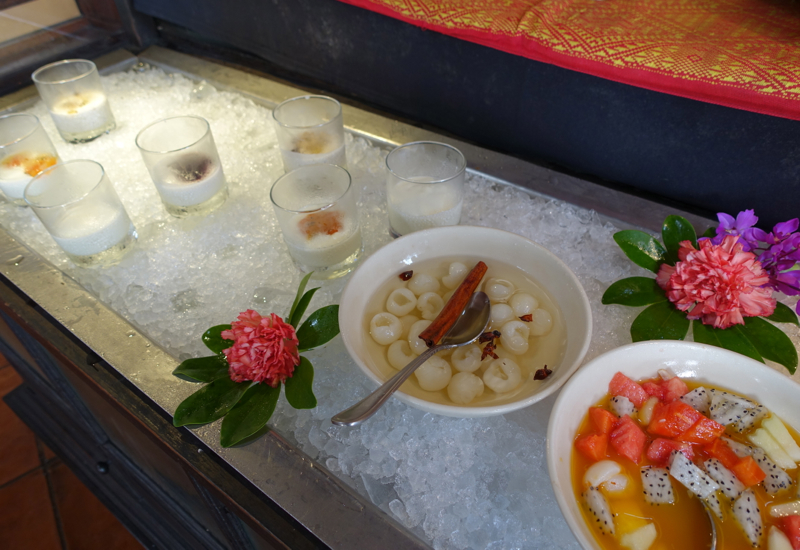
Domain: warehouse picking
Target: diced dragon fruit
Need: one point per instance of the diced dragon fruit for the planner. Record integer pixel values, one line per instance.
(657, 486)
(750, 418)
(740, 449)
(698, 399)
(730, 486)
(600, 472)
(713, 503)
(786, 509)
(748, 514)
(690, 476)
(640, 539)
(775, 452)
(727, 408)
(598, 506)
(777, 540)
(777, 480)
(621, 406)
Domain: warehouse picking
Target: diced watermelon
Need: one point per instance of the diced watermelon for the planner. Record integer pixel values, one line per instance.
(628, 439)
(603, 419)
(654, 390)
(622, 385)
(674, 388)
(791, 527)
(672, 419)
(660, 449)
(721, 451)
(593, 446)
(704, 430)
(748, 471)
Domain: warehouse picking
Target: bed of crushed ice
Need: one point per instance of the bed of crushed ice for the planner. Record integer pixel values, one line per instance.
(456, 483)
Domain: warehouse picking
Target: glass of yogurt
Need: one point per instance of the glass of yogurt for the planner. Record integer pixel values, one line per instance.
(72, 91)
(25, 150)
(310, 131)
(182, 159)
(317, 213)
(424, 186)
(78, 206)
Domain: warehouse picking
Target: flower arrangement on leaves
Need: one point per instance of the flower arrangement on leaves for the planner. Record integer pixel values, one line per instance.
(254, 356)
(721, 284)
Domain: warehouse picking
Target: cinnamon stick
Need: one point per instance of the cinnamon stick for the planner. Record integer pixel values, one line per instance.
(454, 306)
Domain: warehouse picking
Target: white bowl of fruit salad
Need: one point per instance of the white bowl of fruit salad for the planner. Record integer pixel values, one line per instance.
(539, 310)
(647, 435)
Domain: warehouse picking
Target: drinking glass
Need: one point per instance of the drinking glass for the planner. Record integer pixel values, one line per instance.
(72, 91)
(424, 186)
(310, 131)
(316, 210)
(25, 150)
(78, 206)
(182, 159)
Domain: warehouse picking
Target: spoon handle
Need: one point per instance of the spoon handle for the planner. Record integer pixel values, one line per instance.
(371, 403)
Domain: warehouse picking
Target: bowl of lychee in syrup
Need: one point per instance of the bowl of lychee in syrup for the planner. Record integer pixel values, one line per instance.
(646, 437)
(539, 330)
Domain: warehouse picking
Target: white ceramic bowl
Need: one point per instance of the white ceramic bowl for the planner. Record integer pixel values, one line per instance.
(478, 243)
(642, 360)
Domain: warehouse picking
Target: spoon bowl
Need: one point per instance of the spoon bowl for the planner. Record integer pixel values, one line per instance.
(468, 327)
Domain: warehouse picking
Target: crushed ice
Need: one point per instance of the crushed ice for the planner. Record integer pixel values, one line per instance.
(457, 483)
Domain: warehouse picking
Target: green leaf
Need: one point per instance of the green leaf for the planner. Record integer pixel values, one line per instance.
(302, 306)
(783, 314)
(771, 342)
(711, 232)
(249, 416)
(675, 230)
(203, 369)
(299, 393)
(213, 340)
(299, 295)
(732, 338)
(209, 402)
(661, 321)
(641, 248)
(634, 291)
(320, 327)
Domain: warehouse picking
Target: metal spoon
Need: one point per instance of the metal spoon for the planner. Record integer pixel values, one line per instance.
(713, 525)
(469, 326)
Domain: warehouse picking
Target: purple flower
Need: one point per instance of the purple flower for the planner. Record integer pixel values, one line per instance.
(741, 227)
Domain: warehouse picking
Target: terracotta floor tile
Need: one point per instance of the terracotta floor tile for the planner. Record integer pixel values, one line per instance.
(9, 379)
(46, 451)
(87, 524)
(19, 454)
(27, 519)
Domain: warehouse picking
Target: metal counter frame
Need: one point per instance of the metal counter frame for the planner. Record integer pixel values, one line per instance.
(62, 337)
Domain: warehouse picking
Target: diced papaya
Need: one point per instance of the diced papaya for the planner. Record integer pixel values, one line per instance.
(791, 527)
(624, 386)
(672, 419)
(659, 450)
(722, 451)
(628, 439)
(593, 446)
(674, 388)
(748, 471)
(602, 419)
(704, 430)
(654, 390)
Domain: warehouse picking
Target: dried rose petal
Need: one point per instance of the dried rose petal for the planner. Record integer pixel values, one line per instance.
(541, 374)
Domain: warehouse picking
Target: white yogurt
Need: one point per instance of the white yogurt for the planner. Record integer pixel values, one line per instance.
(413, 207)
(294, 159)
(14, 178)
(80, 114)
(80, 234)
(322, 250)
(179, 189)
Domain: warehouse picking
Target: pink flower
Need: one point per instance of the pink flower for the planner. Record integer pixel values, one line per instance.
(264, 349)
(720, 284)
